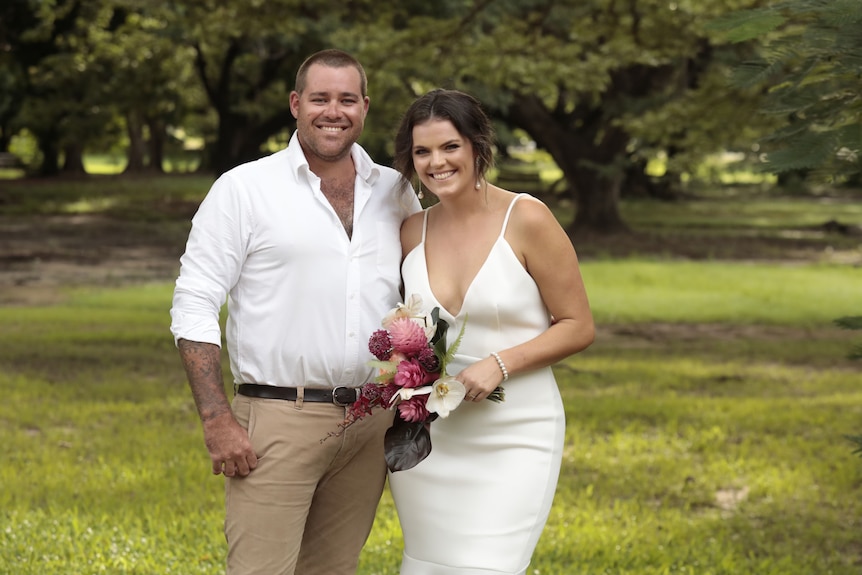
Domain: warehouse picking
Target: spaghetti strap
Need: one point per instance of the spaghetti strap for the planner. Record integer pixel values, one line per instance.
(505, 221)
(424, 224)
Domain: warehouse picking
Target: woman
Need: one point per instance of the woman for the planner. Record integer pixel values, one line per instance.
(500, 263)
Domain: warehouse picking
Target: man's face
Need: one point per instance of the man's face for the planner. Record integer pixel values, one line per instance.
(330, 112)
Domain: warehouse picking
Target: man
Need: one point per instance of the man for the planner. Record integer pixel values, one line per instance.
(304, 244)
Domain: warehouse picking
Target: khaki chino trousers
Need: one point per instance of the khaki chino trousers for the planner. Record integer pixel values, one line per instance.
(308, 507)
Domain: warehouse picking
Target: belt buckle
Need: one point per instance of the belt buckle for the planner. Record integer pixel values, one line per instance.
(335, 399)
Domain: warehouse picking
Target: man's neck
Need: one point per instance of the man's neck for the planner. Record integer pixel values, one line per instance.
(325, 169)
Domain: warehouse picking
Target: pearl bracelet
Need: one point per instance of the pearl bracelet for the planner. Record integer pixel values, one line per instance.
(502, 365)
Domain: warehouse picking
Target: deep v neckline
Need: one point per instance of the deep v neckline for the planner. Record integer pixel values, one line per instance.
(469, 286)
(500, 237)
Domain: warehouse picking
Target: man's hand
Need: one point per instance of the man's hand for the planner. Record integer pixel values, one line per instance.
(227, 442)
(229, 447)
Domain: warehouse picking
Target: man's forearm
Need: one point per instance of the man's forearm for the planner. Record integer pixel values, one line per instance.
(202, 362)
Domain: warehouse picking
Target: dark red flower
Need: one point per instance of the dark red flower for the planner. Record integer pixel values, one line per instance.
(380, 344)
(428, 360)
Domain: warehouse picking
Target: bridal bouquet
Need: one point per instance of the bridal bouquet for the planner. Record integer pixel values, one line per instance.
(411, 358)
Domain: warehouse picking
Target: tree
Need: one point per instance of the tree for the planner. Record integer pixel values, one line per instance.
(809, 63)
(578, 76)
(245, 55)
(150, 80)
(31, 37)
(70, 89)
(16, 16)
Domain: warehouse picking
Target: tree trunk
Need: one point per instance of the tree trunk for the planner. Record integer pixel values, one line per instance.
(589, 156)
(639, 184)
(137, 144)
(240, 138)
(597, 199)
(224, 152)
(73, 159)
(50, 154)
(5, 137)
(156, 145)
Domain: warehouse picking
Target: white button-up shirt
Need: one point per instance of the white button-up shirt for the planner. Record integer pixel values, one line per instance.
(302, 297)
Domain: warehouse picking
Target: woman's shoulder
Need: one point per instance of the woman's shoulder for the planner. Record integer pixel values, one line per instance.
(413, 222)
(532, 226)
(530, 213)
(411, 231)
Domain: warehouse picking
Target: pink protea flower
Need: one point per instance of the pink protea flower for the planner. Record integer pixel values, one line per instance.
(407, 336)
(380, 344)
(413, 409)
(428, 360)
(410, 374)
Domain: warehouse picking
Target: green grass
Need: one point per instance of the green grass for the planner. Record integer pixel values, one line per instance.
(705, 426)
(710, 442)
(739, 293)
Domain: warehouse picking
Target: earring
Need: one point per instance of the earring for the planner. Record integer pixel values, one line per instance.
(478, 179)
(420, 194)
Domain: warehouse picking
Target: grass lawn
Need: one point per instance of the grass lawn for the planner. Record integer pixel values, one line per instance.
(705, 427)
(693, 446)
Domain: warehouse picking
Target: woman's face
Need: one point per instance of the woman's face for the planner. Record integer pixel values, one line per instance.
(443, 158)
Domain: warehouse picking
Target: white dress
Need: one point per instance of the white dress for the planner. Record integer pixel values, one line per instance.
(478, 503)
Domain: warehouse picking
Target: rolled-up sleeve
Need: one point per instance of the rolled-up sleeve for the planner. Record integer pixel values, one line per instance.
(211, 264)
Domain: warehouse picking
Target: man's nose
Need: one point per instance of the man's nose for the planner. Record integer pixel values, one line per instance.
(333, 110)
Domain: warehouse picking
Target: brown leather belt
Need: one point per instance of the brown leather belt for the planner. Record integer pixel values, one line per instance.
(340, 396)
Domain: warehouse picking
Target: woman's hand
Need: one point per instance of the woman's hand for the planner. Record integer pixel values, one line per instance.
(480, 379)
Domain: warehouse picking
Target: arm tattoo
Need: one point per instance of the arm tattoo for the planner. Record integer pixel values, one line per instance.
(202, 362)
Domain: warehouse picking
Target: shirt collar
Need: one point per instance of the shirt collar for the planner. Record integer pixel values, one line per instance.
(365, 166)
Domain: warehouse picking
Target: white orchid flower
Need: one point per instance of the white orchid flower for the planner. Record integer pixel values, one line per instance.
(412, 309)
(406, 393)
(425, 321)
(447, 394)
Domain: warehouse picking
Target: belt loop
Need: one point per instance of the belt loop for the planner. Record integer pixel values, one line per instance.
(300, 396)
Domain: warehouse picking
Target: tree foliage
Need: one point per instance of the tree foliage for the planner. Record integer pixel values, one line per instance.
(594, 82)
(810, 62)
(602, 85)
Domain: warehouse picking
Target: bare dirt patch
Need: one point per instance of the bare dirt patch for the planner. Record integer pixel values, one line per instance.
(40, 256)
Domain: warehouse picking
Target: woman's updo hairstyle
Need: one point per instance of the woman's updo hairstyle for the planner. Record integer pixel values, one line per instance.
(466, 115)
